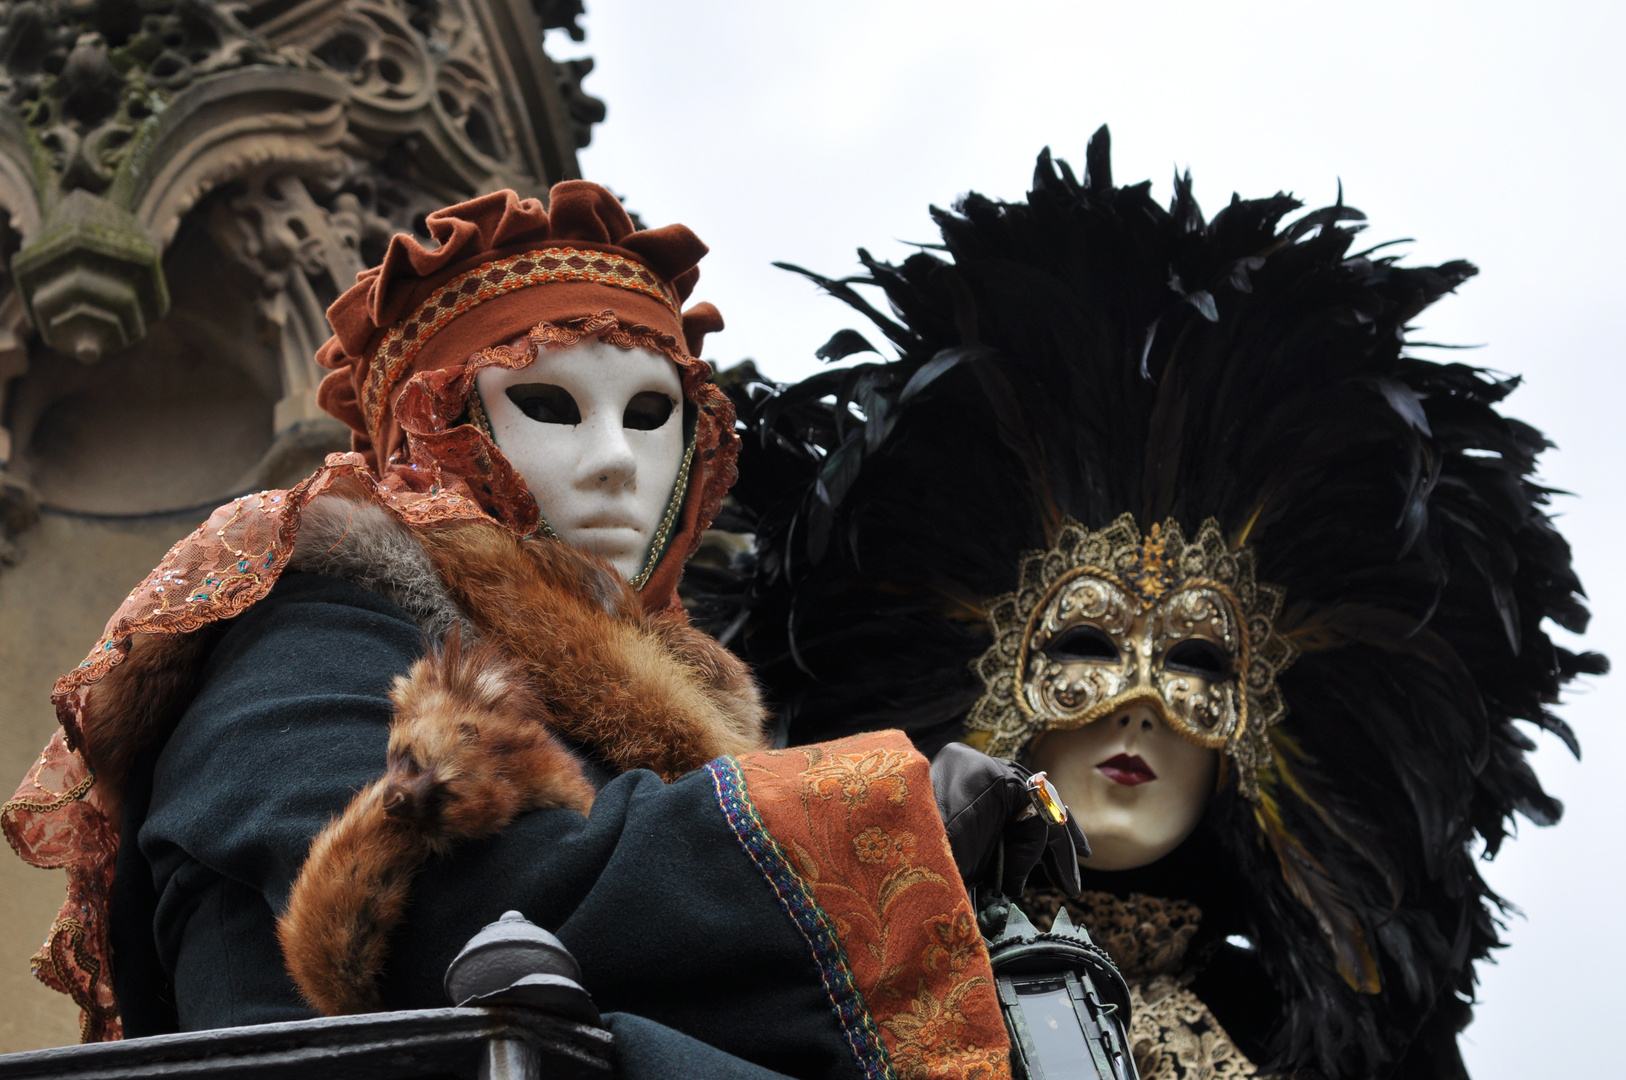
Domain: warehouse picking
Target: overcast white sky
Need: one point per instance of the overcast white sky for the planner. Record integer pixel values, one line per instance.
(1491, 131)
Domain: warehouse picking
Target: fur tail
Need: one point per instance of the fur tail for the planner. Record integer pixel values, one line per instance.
(469, 750)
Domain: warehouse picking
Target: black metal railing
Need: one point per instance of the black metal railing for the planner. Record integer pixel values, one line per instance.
(521, 1014)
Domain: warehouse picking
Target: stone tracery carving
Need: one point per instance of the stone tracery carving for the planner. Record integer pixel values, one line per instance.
(304, 132)
(304, 254)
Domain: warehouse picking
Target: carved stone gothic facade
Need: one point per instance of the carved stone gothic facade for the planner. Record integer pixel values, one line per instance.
(186, 186)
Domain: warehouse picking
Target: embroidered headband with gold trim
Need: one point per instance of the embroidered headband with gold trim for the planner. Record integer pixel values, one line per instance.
(469, 290)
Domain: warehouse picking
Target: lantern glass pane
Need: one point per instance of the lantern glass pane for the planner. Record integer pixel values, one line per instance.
(1058, 1036)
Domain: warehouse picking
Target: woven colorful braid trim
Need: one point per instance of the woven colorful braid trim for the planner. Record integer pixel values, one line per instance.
(490, 280)
(809, 919)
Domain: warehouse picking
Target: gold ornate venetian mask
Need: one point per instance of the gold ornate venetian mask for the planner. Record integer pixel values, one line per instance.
(1107, 618)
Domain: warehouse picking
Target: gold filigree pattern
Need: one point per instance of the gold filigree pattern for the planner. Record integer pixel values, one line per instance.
(853, 776)
(1144, 596)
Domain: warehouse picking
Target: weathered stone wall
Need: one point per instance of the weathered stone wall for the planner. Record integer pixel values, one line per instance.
(187, 184)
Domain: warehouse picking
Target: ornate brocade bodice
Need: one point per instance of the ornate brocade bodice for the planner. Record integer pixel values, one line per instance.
(1172, 1033)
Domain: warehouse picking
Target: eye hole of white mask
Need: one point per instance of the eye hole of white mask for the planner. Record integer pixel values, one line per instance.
(648, 411)
(545, 403)
(549, 404)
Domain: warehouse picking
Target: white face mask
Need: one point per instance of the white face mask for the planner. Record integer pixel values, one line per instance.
(597, 433)
(1137, 788)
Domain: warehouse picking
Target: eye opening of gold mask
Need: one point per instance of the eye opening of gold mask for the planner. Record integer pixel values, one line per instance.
(1108, 618)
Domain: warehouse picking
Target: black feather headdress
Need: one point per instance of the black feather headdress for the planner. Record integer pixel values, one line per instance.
(1088, 353)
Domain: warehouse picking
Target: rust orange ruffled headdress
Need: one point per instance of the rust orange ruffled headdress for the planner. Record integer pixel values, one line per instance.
(409, 336)
(408, 339)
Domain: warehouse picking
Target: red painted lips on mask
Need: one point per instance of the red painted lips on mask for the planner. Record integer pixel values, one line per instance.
(1127, 769)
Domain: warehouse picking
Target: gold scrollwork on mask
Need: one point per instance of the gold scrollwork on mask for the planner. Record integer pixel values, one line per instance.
(1107, 618)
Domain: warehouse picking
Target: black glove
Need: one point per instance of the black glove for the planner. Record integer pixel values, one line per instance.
(984, 800)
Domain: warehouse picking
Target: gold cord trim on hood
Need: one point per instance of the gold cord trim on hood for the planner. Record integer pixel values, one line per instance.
(674, 506)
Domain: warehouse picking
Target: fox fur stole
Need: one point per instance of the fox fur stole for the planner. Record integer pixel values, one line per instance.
(534, 641)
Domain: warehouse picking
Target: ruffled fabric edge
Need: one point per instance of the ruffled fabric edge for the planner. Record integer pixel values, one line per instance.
(63, 815)
(579, 212)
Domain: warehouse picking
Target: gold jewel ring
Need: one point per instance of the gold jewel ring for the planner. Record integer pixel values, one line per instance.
(1044, 801)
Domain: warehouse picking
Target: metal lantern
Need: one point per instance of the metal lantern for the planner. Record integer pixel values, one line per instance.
(1065, 1003)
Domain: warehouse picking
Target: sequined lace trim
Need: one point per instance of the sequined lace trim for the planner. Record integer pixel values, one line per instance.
(57, 818)
(1173, 1036)
(663, 534)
